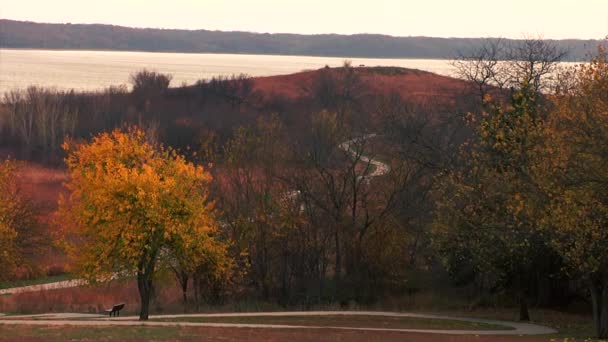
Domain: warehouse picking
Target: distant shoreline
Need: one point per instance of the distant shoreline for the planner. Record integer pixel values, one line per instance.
(99, 37)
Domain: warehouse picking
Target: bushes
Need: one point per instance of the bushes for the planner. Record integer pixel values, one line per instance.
(35, 121)
(150, 83)
(40, 118)
(235, 89)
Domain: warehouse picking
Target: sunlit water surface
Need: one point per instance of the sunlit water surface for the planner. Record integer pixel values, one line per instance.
(94, 70)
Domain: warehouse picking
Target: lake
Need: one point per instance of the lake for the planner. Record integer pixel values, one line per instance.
(94, 70)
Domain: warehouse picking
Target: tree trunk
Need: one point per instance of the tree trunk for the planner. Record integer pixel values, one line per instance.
(184, 283)
(338, 268)
(603, 326)
(144, 284)
(185, 295)
(599, 299)
(182, 278)
(524, 314)
(197, 295)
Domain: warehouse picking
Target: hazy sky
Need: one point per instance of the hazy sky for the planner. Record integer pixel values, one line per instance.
(442, 18)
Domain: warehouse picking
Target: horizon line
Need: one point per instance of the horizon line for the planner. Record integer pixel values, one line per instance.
(523, 35)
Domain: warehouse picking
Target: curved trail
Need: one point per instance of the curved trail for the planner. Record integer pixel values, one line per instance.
(380, 168)
(90, 320)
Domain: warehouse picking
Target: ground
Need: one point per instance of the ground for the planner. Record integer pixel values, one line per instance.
(345, 321)
(269, 326)
(50, 333)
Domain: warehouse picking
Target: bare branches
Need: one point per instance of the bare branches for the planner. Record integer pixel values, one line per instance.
(529, 63)
(482, 66)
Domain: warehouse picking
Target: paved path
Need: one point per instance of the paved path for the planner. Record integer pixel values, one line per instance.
(380, 168)
(97, 320)
(41, 287)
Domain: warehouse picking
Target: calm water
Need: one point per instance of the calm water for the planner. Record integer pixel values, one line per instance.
(92, 70)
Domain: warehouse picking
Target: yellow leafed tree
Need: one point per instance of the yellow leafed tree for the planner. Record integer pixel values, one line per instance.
(134, 207)
(20, 236)
(575, 174)
(8, 231)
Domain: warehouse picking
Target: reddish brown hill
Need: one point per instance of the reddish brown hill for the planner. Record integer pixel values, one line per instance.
(411, 84)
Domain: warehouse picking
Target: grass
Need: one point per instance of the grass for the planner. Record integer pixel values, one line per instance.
(570, 326)
(71, 333)
(356, 321)
(37, 281)
(141, 333)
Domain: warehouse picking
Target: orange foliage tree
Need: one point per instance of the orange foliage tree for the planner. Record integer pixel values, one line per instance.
(20, 238)
(488, 205)
(135, 208)
(574, 172)
(8, 231)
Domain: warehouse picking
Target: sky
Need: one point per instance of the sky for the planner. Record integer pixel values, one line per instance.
(558, 19)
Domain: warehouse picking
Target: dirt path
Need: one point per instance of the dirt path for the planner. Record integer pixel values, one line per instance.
(89, 320)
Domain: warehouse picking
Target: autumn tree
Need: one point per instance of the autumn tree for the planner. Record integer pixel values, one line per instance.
(488, 203)
(8, 231)
(257, 207)
(20, 238)
(339, 90)
(134, 207)
(483, 216)
(498, 65)
(574, 172)
(349, 195)
(422, 144)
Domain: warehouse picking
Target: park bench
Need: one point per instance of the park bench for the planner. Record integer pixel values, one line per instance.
(115, 310)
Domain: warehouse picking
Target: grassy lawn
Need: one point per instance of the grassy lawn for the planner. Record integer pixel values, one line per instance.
(572, 329)
(356, 321)
(569, 326)
(71, 333)
(139, 333)
(37, 281)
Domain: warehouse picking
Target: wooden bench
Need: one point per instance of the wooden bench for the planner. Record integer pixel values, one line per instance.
(115, 310)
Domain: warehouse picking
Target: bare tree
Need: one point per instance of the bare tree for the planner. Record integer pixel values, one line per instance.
(529, 64)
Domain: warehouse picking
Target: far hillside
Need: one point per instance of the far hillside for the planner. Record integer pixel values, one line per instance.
(20, 34)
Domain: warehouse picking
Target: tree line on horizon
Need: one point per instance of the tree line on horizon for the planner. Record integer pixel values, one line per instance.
(21, 34)
(498, 195)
